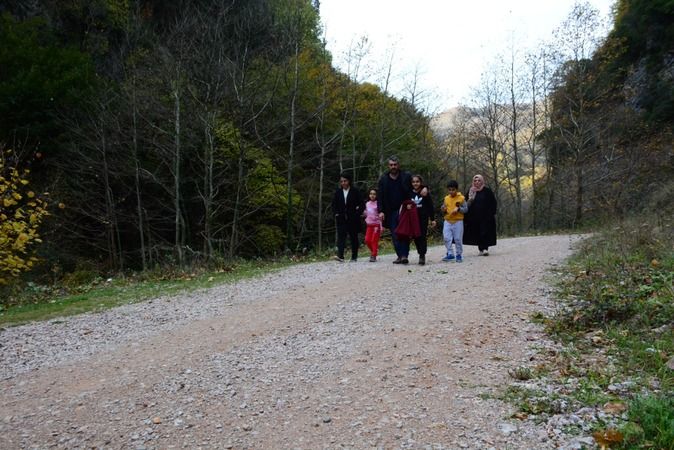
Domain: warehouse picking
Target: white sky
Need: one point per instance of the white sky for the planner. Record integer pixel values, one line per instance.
(449, 42)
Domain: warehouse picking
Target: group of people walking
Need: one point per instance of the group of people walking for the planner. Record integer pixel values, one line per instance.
(403, 204)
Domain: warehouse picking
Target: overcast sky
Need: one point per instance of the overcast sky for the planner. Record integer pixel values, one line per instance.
(448, 42)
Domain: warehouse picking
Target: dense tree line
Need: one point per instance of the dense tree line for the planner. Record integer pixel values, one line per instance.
(174, 133)
(579, 130)
(185, 132)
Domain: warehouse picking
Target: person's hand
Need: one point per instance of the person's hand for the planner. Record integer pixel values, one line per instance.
(455, 210)
(409, 206)
(381, 217)
(443, 208)
(433, 223)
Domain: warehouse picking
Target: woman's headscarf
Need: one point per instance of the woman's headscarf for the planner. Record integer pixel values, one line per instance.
(478, 183)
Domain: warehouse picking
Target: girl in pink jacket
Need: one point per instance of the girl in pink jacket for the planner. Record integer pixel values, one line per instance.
(373, 223)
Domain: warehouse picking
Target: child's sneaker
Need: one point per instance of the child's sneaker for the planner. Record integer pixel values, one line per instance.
(448, 257)
(459, 258)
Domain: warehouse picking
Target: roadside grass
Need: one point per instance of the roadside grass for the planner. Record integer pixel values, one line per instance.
(85, 291)
(651, 423)
(617, 319)
(39, 302)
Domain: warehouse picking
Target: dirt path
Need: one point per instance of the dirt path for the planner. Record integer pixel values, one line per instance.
(323, 355)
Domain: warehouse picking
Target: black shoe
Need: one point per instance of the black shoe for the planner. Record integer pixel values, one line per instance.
(422, 260)
(404, 261)
(398, 260)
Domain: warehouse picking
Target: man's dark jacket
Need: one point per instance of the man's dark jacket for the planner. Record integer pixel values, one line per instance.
(386, 183)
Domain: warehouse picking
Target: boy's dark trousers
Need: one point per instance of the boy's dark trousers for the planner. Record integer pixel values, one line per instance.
(342, 230)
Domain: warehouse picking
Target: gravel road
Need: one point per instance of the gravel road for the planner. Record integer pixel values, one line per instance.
(316, 356)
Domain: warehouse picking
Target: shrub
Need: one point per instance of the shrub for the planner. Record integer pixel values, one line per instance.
(21, 214)
(268, 239)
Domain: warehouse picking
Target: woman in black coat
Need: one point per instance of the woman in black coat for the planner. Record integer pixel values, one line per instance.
(480, 220)
(348, 206)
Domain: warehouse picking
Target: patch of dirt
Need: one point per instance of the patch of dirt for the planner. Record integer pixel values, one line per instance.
(323, 355)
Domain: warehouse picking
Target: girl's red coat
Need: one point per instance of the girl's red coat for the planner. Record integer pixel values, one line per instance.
(408, 225)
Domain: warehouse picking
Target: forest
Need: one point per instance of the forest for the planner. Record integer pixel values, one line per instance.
(138, 134)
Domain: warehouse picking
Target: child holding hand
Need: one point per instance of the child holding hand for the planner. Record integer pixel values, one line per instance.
(373, 222)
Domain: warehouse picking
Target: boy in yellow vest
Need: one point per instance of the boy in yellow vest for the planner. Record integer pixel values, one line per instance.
(454, 207)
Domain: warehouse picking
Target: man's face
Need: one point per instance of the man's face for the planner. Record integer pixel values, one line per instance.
(344, 183)
(394, 167)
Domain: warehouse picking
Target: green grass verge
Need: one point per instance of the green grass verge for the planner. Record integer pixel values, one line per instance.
(36, 303)
(617, 296)
(651, 423)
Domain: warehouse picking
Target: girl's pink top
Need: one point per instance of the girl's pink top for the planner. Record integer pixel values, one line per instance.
(372, 213)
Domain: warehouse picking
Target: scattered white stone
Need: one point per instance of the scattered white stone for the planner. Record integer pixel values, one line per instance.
(507, 428)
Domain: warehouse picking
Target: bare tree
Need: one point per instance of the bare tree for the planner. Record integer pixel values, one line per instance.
(487, 131)
(537, 120)
(574, 97)
(514, 127)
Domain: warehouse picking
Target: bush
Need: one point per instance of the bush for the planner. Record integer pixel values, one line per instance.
(268, 239)
(79, 277)
(22, 211)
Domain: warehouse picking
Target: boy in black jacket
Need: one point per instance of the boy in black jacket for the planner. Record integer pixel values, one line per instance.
(348, 206)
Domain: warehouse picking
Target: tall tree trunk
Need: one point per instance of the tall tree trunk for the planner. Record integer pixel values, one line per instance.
(291, 147)
(111, 217)
(233, 238)
(137, 188)
(176, 179)
(208, 189)
(514, 129)
(578, 216)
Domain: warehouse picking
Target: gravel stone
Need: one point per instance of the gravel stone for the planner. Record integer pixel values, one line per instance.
(320, 355)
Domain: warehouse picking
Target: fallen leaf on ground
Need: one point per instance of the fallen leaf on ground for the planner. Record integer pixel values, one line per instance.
(608, 437)
(615, 408)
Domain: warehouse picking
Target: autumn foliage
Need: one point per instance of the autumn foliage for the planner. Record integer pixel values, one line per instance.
(21, 213)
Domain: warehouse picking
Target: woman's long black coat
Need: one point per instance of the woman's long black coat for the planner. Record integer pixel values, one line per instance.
(480, 220)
